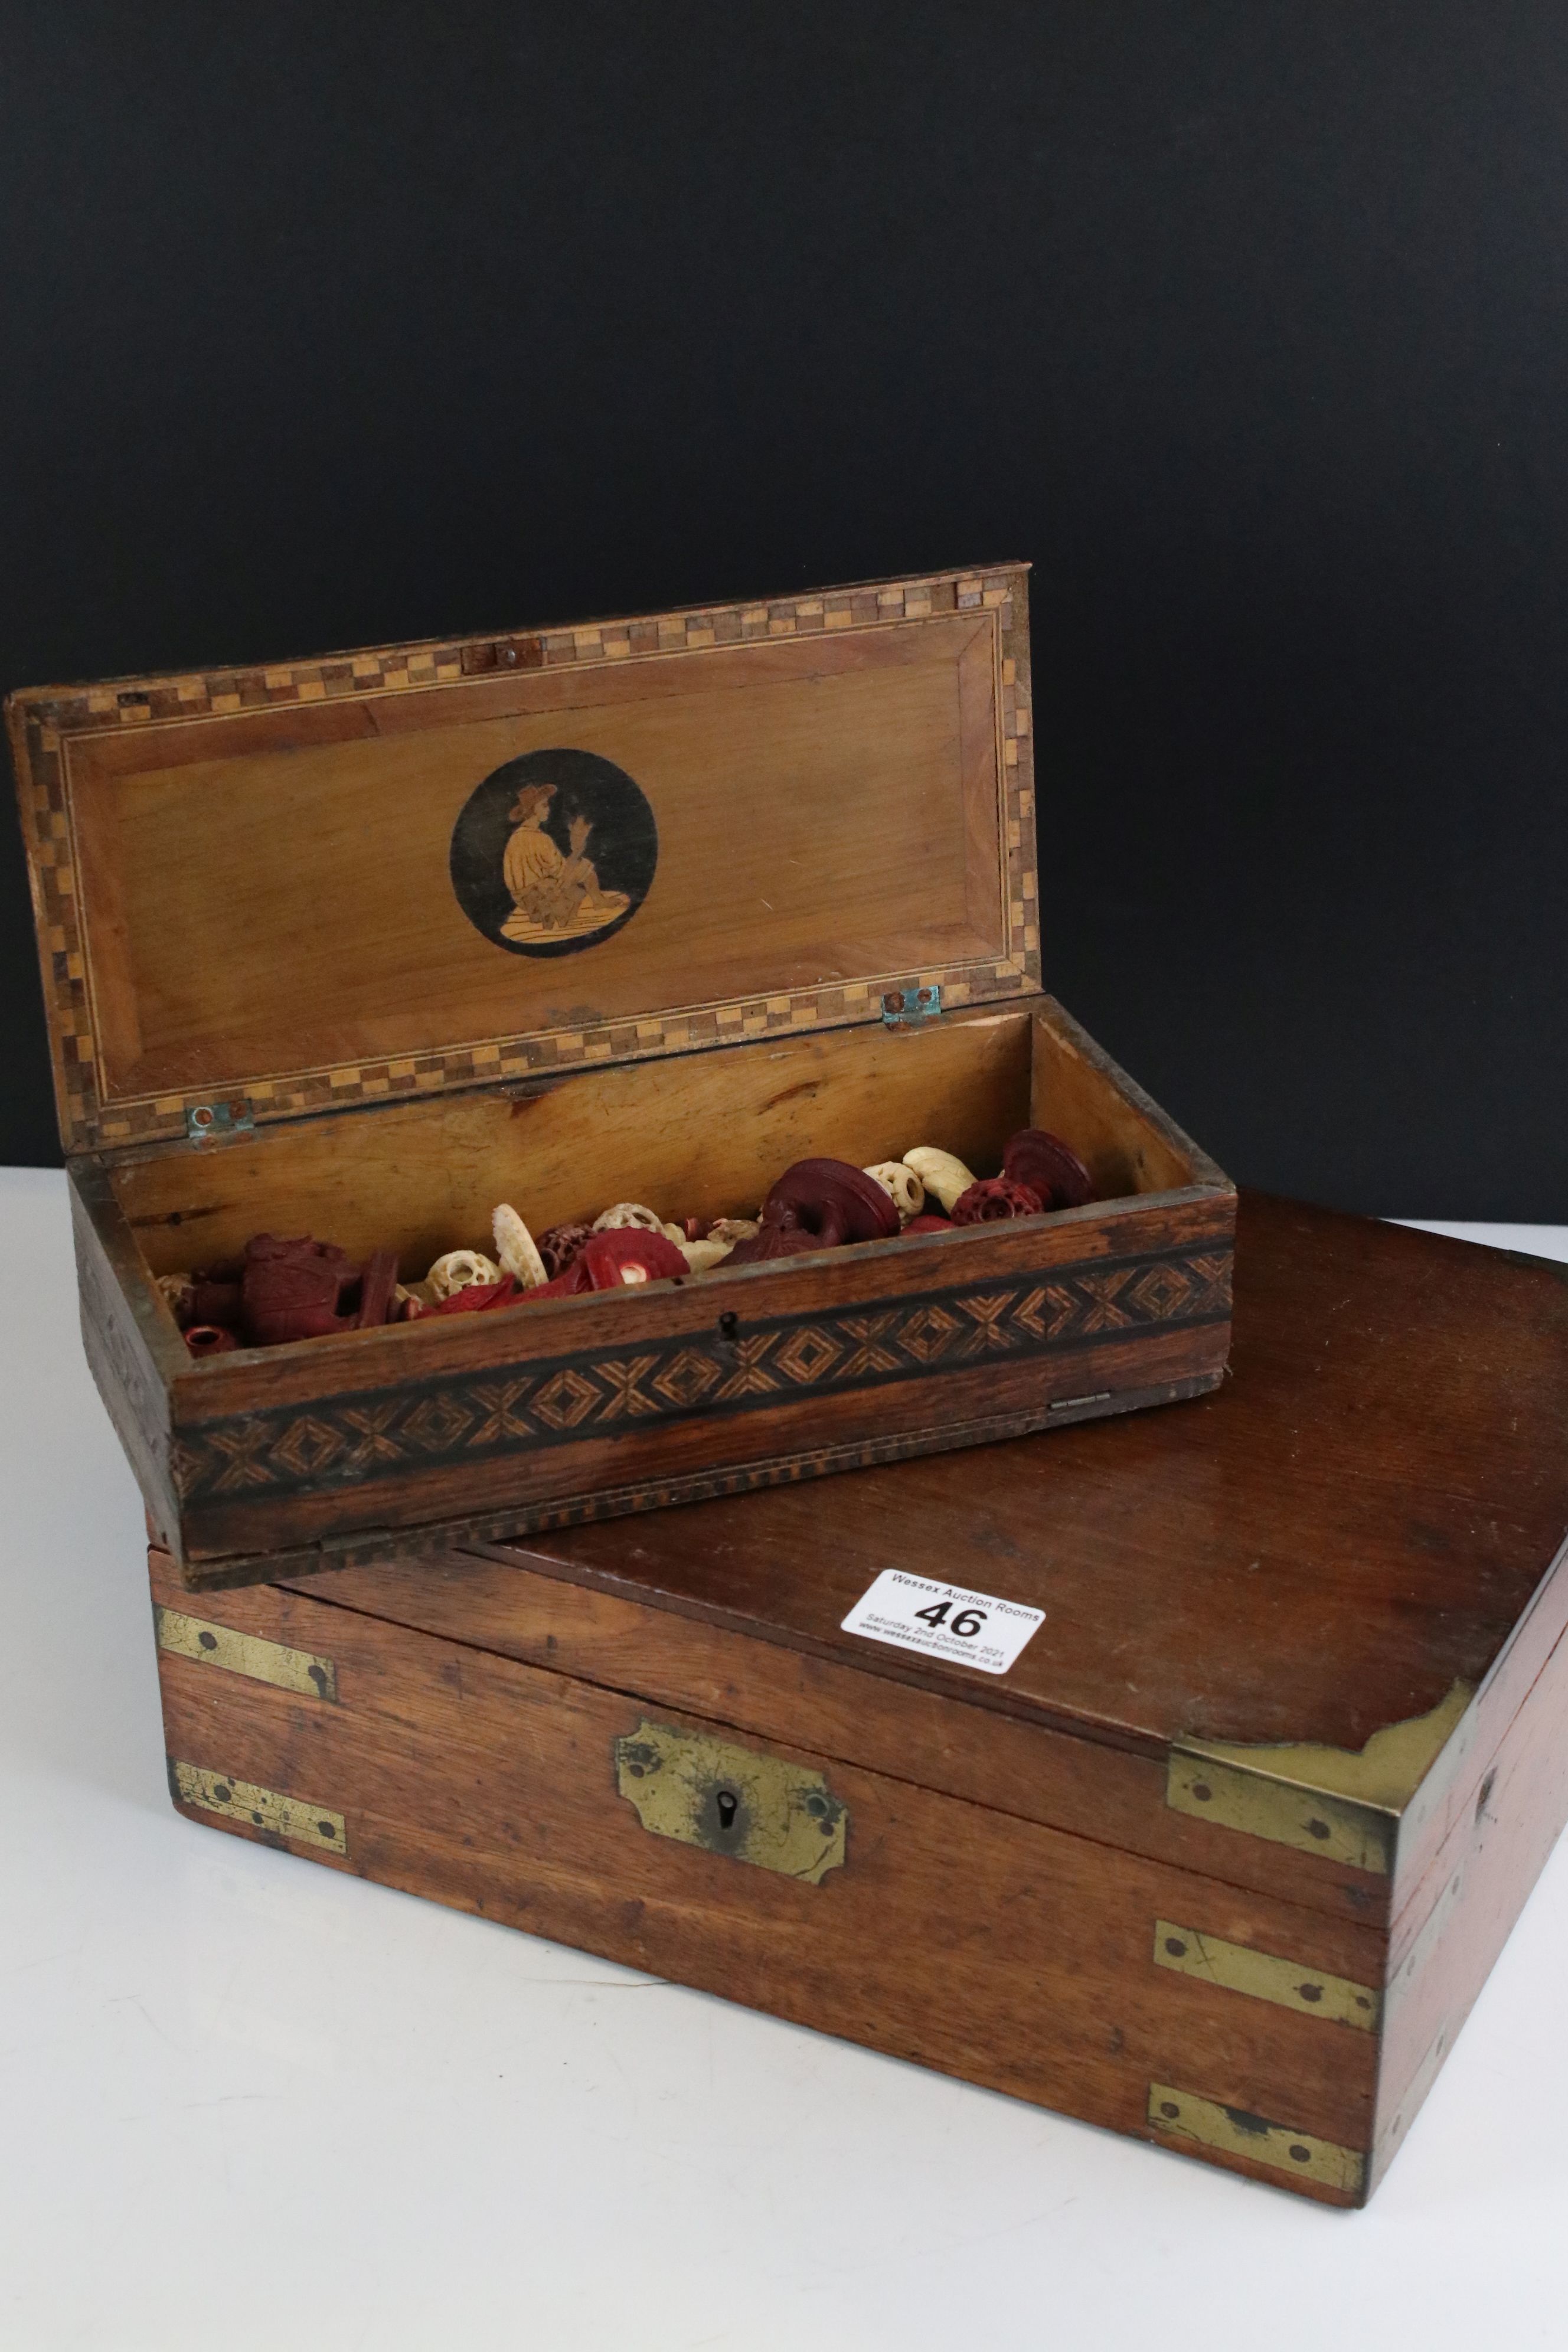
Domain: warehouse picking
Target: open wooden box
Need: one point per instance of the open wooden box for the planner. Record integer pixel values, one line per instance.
(290, 987)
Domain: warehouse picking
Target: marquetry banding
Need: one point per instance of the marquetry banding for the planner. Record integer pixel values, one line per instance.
(562, 1400)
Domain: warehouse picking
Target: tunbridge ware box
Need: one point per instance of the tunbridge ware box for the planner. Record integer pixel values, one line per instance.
(1184, 1772)
(302, 972)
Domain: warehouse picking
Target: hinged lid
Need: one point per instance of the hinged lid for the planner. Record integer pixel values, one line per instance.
(448, 865)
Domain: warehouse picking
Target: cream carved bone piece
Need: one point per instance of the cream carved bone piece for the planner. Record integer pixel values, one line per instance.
(730, 1230)
(177, 1290)
(517, 1249)
(631, 1216)
(940, 1172)
(897, 1177)
(459, 1270)
(704, 1255)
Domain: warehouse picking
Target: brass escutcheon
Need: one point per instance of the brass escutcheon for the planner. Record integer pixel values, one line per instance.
(707, 1792)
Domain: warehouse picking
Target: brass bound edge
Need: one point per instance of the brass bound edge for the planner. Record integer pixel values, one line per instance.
(708, 1792)
(1284, 1811)
(1350, 1805)
(294, 1818)
(244, 1654)
(1232, 2131)
(1289, 1984)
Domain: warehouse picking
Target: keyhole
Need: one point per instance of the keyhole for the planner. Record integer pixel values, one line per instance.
(729, 1805)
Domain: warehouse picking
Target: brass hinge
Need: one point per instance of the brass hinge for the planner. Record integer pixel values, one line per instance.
(706, 1792)
(244, 1654)
(218, 1122)
(902, 1007)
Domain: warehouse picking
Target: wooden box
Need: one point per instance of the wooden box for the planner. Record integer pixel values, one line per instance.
(1221, 1860)
(291, 987)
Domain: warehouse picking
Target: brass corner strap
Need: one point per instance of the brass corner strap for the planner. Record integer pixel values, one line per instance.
(707, 1792)
(1234, 2131)
(293, 1818)
(1265, 1975)
(244, 1654)
(1349, 1805)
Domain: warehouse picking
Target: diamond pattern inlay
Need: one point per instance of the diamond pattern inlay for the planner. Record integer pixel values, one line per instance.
(688, 1379)
(566, 1401)
(308, 1445)
(437, 1422)
(536, 1404)
(807, 1354)
(929, 1332)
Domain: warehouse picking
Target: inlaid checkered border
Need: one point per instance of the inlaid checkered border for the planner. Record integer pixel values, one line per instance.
(44, 721)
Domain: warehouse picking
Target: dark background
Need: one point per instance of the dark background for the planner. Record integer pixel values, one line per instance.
(1246, 323)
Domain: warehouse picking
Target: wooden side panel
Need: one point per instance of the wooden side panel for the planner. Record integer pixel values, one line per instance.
(1443, 1813)
(580, 1409)
(131, 1355)
(987, 1947)
(1478, 1884)
(883, 1713)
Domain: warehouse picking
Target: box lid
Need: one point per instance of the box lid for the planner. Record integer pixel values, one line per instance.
(262, 893)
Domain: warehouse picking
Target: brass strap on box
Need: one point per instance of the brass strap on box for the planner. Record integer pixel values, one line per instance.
(244, 1654)
(1349, 1805)
(1264, 1976)
(294, 1818)
(1232, 2131)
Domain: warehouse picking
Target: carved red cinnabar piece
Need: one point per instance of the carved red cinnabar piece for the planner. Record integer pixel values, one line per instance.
(208, 1340)
(213, 1297)
(834, 1202)
(619, 1259)
(928, 1221)
(993, 1200)
(774, 1240)
(377, 1284)
(1050, 1166)
(629, 1256)
(293, 1289)
(561, 1246)
(478, 1297)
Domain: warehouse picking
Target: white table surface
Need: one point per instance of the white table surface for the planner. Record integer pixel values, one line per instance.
(248, 2103)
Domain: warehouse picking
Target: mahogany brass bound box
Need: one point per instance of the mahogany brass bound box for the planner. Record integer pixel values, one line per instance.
(302, 975)
(1219, 1857)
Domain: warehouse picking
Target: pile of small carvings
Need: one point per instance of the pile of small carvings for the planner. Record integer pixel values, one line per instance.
(282, 1290)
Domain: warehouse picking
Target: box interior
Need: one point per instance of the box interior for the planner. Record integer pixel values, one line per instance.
(702, 1136)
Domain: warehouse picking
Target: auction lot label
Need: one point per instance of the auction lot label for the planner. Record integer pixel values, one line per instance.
(944, 1621)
